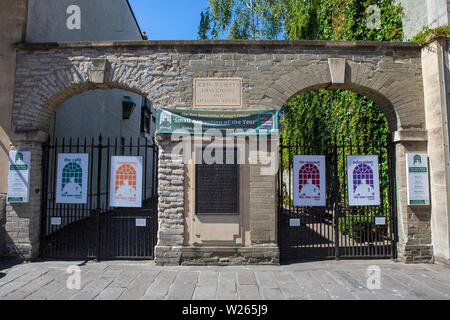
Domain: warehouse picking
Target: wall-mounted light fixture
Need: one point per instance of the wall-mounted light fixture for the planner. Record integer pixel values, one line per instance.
(128, 106)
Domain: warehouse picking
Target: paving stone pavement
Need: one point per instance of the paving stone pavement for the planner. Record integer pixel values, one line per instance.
(131, 280)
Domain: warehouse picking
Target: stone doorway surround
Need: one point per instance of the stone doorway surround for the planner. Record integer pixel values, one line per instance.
(272, 71)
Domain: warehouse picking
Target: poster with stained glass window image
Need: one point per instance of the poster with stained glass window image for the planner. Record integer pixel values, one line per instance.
(309, 181)
(125, 188)
(363, 181)
(72, 178)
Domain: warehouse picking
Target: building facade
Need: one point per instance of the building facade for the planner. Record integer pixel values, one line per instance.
(404, 79)
(426, 13)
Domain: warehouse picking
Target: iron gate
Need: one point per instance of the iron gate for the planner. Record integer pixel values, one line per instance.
(337, 230)
(96, 230)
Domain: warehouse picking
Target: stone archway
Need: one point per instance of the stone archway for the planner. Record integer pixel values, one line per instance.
(50, 89)
(33, 119)
(32, 138)
(406, 121)
(392, 95)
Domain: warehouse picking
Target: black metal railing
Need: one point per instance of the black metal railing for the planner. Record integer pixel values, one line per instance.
(94, 229)
(337, 230)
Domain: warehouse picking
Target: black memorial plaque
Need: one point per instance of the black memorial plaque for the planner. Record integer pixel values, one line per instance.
(217, 188)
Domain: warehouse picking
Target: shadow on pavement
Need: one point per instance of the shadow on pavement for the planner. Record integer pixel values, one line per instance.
(8, 264)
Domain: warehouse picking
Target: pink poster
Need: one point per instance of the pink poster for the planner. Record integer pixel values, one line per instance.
(309, 181)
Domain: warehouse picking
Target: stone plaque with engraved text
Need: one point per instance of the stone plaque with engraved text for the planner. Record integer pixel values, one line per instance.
(218, 92)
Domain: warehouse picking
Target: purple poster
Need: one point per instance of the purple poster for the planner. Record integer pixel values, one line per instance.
(363, 181)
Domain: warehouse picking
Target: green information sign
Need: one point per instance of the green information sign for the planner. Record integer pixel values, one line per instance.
(19, 176)
(228, 122)
(417, 179)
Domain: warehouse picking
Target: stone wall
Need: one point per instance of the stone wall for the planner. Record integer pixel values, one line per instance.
(170, 205)
(23, 220)
(47, 20)
(438, 13)
(263, 199)
(272, 71)
(436, 107)
(267, 255)
(414, 229)
(415, 17)
(12, 30)
(418, 14)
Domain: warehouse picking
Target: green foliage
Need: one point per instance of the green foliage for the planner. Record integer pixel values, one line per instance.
(426, 35)
(242, 19)
(204, 25)
(288, 202)
(342, 20)
(321, 116)
(361, 228)
(301, 19)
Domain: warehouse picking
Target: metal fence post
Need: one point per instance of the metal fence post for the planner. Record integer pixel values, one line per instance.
(336, 201)
(45, 160)
(97, 214)
(392, 197)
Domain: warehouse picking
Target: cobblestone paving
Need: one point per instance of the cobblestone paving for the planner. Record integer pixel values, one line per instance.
(124, 280)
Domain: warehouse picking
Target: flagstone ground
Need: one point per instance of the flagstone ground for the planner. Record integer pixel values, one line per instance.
(124, 280)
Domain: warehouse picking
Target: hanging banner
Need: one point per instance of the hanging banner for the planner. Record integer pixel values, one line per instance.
(418, 189)
(309, 181)
(363, 181)
(126, 182)
(230, 122)
(19, 176)
(72, 178)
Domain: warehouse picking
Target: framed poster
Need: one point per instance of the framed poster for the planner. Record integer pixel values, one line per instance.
(309, 181)
(19, 177)
(418, 189)
(363, 181)
(72, 178)
(126, 182)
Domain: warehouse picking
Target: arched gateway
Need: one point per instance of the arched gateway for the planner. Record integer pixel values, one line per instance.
(271, 72)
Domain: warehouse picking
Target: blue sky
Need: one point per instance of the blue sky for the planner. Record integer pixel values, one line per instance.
(169, 19)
